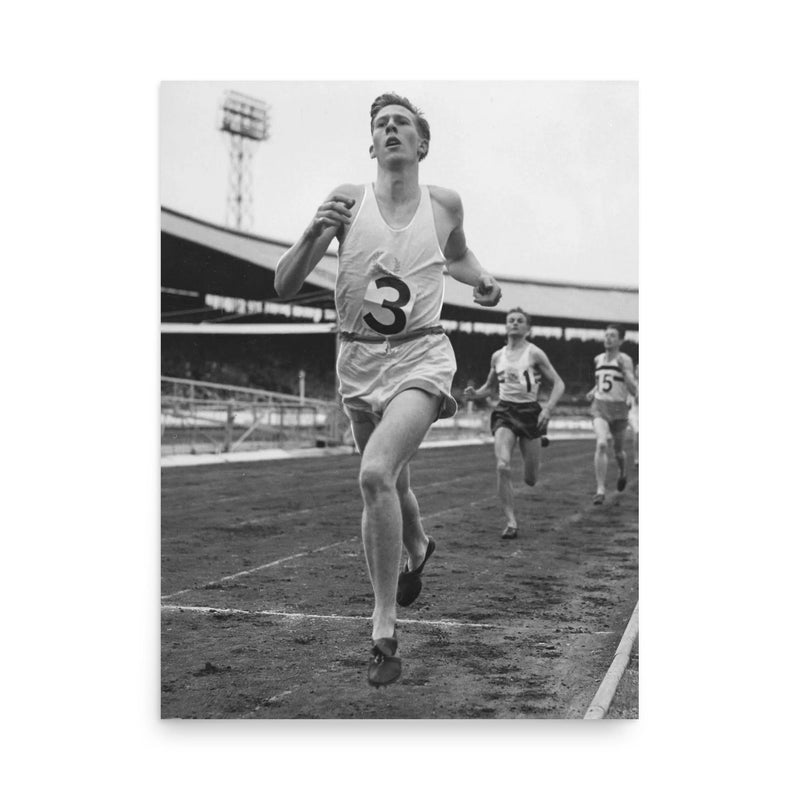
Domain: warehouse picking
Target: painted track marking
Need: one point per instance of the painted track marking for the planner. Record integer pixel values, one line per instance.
(304, 512)
(565, 521)
(560, 457)
(298, 615)
(601, 702)
(257, 569)
(423, 518)
(241, 574)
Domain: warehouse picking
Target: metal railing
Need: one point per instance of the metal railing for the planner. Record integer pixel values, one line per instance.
(203, 417)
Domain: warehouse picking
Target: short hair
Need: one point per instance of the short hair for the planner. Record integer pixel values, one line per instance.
(394, 99)
(518, 310)
(618, 328)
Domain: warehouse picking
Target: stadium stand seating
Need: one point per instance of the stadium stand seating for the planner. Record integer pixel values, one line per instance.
(273, 362)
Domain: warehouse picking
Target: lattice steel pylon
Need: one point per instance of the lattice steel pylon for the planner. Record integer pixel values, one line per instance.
(246, 121)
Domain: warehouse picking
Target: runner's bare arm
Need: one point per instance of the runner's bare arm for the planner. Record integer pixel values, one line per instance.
(630, 380)
(488, 386)
(297, 263)
(462, 263)
(548, 371)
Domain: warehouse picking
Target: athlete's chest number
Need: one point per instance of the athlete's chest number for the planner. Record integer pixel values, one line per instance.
(604, 382)
(399, 306)
(512, 376)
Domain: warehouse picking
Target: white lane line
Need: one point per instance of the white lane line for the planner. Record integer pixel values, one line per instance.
(447, 623)
(276, 697)
(304, 553)
(304, 512)
(258, 568)
(601, 702)
(417, 487)
(456, 508)
(423, 518)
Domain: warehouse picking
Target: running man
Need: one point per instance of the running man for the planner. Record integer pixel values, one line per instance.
(518, 369)
(633, 417)
(614, 381)
(395, 364)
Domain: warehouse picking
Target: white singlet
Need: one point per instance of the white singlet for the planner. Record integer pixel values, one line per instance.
(390, 280)
(518, 380)
(610, 377)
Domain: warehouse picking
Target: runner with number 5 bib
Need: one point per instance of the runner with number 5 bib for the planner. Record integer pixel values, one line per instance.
(395, 364)
(614, 381)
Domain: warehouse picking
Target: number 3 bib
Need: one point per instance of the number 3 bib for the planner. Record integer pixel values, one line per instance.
(387, 305)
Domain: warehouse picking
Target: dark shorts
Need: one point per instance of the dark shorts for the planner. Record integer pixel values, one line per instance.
(522, 419)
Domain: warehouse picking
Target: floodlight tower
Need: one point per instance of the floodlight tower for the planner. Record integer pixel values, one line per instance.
(246, 121)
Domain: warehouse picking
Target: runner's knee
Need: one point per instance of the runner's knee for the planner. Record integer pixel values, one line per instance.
(375, 480)
(602, 446)
(503, 466)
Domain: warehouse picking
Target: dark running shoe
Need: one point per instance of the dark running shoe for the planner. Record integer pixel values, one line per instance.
(509, 533)
(599, 499)
(384, 665)
(622, 482)
(409, 584)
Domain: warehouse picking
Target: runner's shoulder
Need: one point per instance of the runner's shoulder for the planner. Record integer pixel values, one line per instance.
(538, 356)
(350, 191)
(447, 199)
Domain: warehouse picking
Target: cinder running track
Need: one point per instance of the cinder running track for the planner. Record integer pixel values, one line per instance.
(266, 599)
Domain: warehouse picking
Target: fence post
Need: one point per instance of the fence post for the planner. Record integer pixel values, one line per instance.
(191, 419)
(228, 429)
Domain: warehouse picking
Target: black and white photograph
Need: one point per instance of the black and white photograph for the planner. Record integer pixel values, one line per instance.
(323, 460)
(399, 399)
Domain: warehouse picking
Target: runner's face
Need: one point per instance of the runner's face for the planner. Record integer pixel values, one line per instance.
(612, 337)
(395, 136)
(517, 324)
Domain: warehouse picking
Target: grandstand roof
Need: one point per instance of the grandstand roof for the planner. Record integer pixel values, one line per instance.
(211, 259)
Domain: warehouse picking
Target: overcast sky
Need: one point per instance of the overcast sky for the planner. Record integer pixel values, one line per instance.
(547, 171)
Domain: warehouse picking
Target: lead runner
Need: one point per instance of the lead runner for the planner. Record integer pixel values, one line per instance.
(397, 239)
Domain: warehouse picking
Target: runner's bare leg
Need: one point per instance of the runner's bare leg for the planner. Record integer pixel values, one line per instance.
(415, 541)
(388, 449)
(531, 450)
(503, 445)
(602, 432)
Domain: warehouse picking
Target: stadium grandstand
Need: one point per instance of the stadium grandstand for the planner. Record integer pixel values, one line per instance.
(228, 341)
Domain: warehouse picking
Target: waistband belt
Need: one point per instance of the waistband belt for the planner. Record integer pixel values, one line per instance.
(356, 337)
